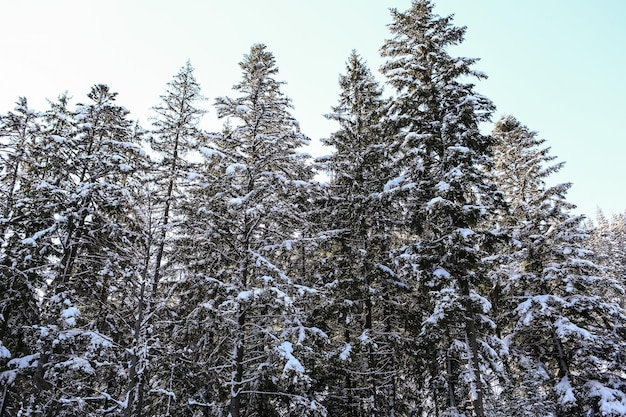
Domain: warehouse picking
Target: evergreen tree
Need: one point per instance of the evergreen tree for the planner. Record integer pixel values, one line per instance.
(563, 335)
(243, 235)
(71, 232)
(447, 196)
(19, 307)
(608, 242)
(359, 314)
(175, 135)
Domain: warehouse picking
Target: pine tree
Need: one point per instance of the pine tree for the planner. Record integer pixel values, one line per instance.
(563, 335)
(607, 241)
(242, 241)
(359, 313)
(70, 230)
(447, 195)
(19, 307)
(175, 135)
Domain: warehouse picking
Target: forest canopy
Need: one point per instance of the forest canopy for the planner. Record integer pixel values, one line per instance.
(436, 271)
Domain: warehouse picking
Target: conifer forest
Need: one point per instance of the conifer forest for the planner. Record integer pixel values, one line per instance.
(428, 266)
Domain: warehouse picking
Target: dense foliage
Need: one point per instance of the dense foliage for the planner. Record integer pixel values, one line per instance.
(171, 271)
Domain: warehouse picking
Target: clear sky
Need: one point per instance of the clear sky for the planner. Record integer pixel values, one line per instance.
(556, 65)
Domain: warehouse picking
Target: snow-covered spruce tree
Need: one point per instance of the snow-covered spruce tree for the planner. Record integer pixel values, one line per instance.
(19, 129)
(360, 373)
(244, 230)
(607, 241)
(175, 135)
(565, 339)
(73, 230)
(447, 195)
(19, 308)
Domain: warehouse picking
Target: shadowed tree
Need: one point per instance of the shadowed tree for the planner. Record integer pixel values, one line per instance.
(447, 195)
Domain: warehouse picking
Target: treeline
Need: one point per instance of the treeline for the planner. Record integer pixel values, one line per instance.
(436, 273)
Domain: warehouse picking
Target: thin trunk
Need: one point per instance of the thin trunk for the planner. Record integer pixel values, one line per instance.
(451, 385)
(564, 372)
(72, 241)
(472, 340)
(134, 384)
(391, 400)
(166, 213)
(234, 407)
(134, 405)
(161, 248)
(393, 393)
(349, 384)
(560, 356)
(16, 170)
(3, 403)
(371, 360)
(435, 390)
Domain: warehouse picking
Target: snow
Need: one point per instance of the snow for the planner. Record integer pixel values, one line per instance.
(460, 149)
(237, 201)
(441, 273)
(441, 306)
(303, 289)
(191, 176)
(29, 241)
(565, 329)
(396, 71)
(4, 352)
(27, 361)
(565, 393)
(435, 201)
(539, 304)
(394, 183)
(246, 295)
(234, 167)
(612, 402)
(386, 269)
(345, 353)
(97, 340)
(210, 152)
(57, 138)
(242, 109)
(32, 241)
(77, 364)
(443, 186)
(69, 315)
(125, 168)
(581, 263)
(485, 304)
(164, 392)
(8, 377)
(464, 232)
(293, 364)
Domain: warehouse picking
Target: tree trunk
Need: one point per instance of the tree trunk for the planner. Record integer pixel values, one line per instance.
(3, 400)
(234, 407)
(472, 340)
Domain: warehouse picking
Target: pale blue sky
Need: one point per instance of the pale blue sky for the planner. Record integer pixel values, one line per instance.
(557, 65)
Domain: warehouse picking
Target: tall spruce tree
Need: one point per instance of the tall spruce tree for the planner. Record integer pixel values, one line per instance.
(564, 336)
(174, 136)
(247, 221)
(19, 307)
(608, 243)
(71, 230)
(359, 314)
(447, 195)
